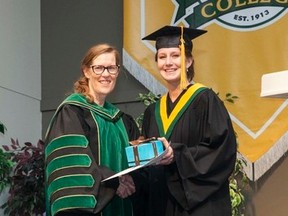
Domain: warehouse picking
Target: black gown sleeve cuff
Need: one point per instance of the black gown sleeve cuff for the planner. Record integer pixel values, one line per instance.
(112, 183)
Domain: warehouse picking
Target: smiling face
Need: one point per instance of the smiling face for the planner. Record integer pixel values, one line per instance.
(101, 85)
(169, 64)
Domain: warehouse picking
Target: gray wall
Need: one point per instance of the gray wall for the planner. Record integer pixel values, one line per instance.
(20, 69)
(20, 73)
(68, 29)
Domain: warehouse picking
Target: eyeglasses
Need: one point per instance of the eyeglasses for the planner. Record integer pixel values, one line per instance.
(99, 69)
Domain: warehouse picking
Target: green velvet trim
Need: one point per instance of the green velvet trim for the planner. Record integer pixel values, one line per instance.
(108, 111)
(67, 161)
(66, 141)
(112, 155)
(73, 202)
(70, 181)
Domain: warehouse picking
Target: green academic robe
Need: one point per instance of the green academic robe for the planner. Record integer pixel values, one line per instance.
(85, 143)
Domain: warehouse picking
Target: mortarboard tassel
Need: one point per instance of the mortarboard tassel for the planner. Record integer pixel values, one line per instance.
(183, 79)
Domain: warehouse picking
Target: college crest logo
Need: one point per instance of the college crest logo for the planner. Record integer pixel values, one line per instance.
(241, 15)
(245, 39)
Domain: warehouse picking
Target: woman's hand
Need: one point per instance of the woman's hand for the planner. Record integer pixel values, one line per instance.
(126, 186)
(168, 158)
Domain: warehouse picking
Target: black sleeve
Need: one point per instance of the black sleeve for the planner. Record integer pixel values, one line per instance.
(204, 163)
(131, 127)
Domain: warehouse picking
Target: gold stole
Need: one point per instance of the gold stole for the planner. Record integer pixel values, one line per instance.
(165, 123)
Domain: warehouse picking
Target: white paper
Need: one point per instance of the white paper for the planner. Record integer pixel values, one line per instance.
(153, 161)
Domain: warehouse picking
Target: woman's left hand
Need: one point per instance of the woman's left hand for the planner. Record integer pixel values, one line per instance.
(126, 186)
(168, 158)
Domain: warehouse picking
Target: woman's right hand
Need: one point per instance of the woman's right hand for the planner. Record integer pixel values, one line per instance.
(168, 158)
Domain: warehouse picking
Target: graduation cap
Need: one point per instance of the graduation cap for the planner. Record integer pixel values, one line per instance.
(175, 36)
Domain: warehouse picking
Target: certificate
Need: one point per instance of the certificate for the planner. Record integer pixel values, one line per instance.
(153, 161)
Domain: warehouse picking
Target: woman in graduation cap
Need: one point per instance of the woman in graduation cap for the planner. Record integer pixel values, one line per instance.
(85, 143)
(194, 125)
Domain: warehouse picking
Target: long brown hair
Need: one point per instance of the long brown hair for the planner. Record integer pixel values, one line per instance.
(81, 85)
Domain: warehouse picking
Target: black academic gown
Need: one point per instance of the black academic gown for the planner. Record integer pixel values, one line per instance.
(204, 146)
(74, 124)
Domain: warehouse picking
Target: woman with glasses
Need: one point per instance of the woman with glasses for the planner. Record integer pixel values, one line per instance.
(85, 143)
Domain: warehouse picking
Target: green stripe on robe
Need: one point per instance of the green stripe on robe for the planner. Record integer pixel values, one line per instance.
(66, 141)
(73, 202)
(68, 161)
(70, 181)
